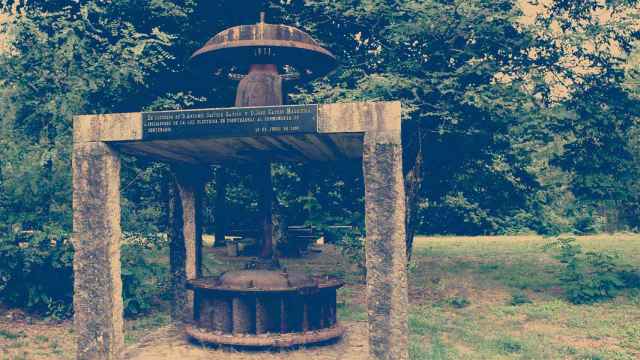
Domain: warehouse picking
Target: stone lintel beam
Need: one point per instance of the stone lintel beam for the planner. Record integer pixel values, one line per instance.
(96, 239)
(332, 118)
(387, 298)
(185, 236)
(107, 127)
(359, 117)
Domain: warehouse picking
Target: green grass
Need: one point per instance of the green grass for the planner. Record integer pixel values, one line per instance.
(495, 298)
(471, 298)
(516, 309)
(41, 338)
(10, 335)
(137, 328)
(352, 312)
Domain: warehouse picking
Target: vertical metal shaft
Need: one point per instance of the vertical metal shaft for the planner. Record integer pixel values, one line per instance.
(262, 87)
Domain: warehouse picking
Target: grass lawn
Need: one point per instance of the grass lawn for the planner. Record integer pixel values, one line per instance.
(462, 290)
(471, 298)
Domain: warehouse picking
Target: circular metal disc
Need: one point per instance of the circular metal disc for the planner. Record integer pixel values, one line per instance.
(266, 340)
(235, 49)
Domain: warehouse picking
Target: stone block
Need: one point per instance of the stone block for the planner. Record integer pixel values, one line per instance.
(96, 238)
(385, 248)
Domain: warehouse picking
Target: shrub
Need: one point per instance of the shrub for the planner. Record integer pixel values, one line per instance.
(591, 276)
(351, 245)
(143, 281)
(585, 225)
(459, 302)
(510, 346)
(36, 274)
(585, 221)
(519, 298)
(631, 278)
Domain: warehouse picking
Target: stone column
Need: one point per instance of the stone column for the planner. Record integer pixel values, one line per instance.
(185, 250)
(387, 298)
(97, 298)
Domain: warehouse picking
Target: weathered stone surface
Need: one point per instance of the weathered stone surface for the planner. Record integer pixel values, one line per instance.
(332, 118)
(98, 290)
(96, 238)
(387, 299)
(340, 129)
(185, 250)
(107, 127)
(359, 117)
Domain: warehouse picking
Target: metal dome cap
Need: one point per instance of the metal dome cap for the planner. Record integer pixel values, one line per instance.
(233, 50)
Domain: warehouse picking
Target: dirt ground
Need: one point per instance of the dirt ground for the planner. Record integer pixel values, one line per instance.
(463, 294)
(41, 341)
(23, 337)
(170, 343)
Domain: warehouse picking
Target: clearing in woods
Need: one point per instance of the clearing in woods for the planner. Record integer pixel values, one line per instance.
(461, 289)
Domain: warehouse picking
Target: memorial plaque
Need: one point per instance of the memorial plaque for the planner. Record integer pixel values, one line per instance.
(230, 122)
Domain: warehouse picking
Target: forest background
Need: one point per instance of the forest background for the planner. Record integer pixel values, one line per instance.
(519, 117)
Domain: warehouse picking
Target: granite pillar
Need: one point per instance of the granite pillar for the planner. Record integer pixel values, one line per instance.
(387, 298)
(97, 298)
(185, 236)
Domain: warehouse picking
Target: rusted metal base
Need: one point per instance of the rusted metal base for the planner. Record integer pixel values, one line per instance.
(266, 340)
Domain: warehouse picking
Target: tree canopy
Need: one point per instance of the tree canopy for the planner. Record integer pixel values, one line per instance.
(514, 121)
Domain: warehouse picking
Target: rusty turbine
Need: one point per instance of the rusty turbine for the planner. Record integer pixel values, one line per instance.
(264, 307)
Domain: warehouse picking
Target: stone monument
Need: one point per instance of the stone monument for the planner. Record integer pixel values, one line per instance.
(266, 307)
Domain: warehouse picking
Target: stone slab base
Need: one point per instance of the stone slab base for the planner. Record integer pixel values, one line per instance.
(266, 340)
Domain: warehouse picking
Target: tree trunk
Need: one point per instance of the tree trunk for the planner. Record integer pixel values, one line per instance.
(280, 225)
(266, 210)
(220, 218)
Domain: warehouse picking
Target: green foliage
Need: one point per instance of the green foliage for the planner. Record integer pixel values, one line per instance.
(512, 136)
(352, 312)
(441, 60)
(586, 222)
(10, 335)
(591, 276)
(510, 346)
(144, 282)
(600, 120)
(351, 244)
(519, 298)
(459, 302)
(36, 273)
(65, 60)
